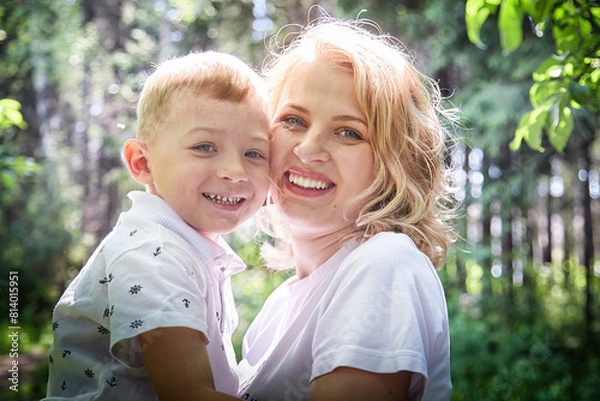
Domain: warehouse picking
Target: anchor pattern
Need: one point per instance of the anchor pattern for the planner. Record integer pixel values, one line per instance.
(130, 294)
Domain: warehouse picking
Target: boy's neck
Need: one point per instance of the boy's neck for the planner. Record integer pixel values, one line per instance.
(213, 236)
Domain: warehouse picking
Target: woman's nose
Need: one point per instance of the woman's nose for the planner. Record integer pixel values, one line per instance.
(312, 148)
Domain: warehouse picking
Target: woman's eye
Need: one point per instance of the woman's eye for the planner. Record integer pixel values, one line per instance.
(289, 123)
(351, 134)
(205, 147)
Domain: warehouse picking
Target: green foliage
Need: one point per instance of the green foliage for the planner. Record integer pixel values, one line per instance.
(477, 12)
(12, 165)
(531, 350)
(31, 245)
(251, 287)
(10, 114)
(567, 80)
(83, 62)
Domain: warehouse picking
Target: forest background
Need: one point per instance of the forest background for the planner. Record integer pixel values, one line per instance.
(522, 283)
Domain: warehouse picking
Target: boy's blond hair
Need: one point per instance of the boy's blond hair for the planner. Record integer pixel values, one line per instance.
(411, 192)
(219, 76)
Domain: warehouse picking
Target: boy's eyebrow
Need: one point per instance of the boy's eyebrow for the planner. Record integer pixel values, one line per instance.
(210, 130)
(260, 138)
(216, 131)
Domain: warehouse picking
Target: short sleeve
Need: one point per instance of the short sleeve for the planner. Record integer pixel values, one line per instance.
(158, 284)
(379, 316)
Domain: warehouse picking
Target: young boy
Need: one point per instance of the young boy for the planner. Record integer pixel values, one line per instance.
(150, 315)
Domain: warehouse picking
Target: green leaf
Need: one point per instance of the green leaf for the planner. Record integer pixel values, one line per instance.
(542, 92)
(8, 179)
(566, 37)
(595, 76)
(476, 13)
(10, 104)
(530, 129)
(551, 68)
(532, 8)
(595, 12)
(580, 94)
(561, 125)
(585, 27)
(24, 165)
(510, 20)
(10, 114)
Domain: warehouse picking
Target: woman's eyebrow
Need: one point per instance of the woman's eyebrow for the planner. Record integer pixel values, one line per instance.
(341, 117)
(348, 117)
(295, 107)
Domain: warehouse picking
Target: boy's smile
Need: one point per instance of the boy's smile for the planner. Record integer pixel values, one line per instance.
(223, 200)
(211, 162)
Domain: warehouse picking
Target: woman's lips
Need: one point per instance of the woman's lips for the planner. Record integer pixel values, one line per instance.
(307, 182)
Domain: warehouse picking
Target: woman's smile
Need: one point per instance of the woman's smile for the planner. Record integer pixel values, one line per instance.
(321, 155)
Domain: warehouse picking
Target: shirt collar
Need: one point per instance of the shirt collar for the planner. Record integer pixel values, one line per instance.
(218, 255)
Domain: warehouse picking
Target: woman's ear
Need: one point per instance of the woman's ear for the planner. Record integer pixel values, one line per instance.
(135, 155)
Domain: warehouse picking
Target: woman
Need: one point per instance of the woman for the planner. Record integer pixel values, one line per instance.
(359, 179)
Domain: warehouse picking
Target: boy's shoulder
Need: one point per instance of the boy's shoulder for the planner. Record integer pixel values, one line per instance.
(134, 231)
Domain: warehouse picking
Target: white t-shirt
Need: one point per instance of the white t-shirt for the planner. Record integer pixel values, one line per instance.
(378, 307)
(153, 270)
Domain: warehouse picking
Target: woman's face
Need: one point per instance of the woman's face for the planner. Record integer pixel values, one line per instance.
(321, 156)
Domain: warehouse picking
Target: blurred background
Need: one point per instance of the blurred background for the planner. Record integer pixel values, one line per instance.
(523, 281)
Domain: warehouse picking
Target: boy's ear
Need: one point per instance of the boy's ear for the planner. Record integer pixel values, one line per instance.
(135, 155)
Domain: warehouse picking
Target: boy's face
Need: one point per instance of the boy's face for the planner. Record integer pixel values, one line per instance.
(210, 162)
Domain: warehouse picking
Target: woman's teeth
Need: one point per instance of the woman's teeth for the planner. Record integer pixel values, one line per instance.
(224, 200)
(308, 183)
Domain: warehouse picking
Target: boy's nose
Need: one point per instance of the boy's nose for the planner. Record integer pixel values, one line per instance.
(232, 168)
(312, 147)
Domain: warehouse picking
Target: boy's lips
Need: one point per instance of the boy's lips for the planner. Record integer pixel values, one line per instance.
(223, 200)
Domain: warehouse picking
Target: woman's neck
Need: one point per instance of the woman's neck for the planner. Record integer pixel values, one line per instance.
(311, 251)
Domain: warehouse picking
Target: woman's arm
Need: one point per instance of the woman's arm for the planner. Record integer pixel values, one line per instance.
(178, 365)
(347, 384)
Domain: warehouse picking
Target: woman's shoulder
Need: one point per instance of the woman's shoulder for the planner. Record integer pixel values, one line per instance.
(387, 245)
(389, 238)
(388, 252)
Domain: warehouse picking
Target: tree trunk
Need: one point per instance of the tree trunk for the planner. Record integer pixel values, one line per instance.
(588, 241)
(507, 257)
(567, 242)
(547, 250)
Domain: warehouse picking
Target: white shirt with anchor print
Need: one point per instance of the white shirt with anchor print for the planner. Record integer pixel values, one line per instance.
(151, 271)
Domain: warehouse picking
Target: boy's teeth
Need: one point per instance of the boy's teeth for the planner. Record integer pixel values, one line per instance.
(226, 200)
(308, 183)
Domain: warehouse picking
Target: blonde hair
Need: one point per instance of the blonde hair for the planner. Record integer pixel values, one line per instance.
(212, 74)
(411, 192)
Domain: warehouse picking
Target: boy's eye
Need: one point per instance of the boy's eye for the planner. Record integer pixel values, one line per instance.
(254, 154)
(206, 147)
